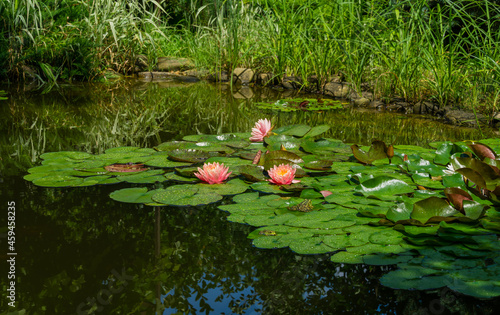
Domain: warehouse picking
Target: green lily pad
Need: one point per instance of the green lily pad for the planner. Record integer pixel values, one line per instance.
(342, 241)
(317, 130)
(121, 149)
(386, 237)
(246, 197)
(293, 130)
(231, 187)
(378, 150)
(133, 195)
(462, 228)
(401, 211)
(383, 187)
(172, 176)
(309, 246)
(191, 156)
(376, 249)
(455, 180)
(267, 220)
(325, 146)
(58, 181)
(252, 173)
(74, 155)
(267, 187)
(268, 242)
(228, 139)
(425, 209)
(51, 169)
(321, 165)
(289, 142)
(477, 288)
(147, 177)
(184, 195)
(123, 157)
(384, 259)
(473, 209)
(426, 283)
(98, 180)
(424, 180)
(347, 258)
(163, 161)
(445, 151)
(420, 231)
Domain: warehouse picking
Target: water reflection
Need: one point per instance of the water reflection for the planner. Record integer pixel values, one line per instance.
(81, 252)
(93, 118)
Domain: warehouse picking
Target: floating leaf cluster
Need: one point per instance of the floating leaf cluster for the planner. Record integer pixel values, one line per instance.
(430, 211)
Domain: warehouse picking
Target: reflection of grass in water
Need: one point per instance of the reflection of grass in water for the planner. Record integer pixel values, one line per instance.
(94, 118)
(354, 126)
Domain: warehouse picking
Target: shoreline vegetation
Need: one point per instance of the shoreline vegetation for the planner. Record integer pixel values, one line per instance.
(430, 54)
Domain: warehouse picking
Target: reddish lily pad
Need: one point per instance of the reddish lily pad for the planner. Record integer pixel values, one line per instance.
(125, 168)
(482, 150)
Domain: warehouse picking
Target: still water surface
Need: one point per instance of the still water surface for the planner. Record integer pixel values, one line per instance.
(79, 252)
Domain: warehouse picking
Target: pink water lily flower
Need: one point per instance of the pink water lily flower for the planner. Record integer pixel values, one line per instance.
(261, 130)
(282, 175)
(213, 173)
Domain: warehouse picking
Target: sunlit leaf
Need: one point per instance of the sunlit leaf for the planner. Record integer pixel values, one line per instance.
(383, 186)
(425, 209)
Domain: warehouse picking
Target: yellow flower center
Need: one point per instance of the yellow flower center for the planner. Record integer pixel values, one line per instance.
(282, 171)
(211, 167)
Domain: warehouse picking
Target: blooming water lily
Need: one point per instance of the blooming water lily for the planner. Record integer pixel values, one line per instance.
(282, 175)
(261, 130)
(213, 173)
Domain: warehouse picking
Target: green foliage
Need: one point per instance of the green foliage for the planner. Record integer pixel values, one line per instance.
(445, 51)
(419, 50)
(288, 105)
(74, 39)
(349, 210)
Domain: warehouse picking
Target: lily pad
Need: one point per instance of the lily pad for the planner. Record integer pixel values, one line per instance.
(228, 139)
(325, 146)
(184, 195)
(133, 195)
(231, 187)
(293, 130)
(267, 187)
(58, 181)
(425, 209)
(378, 150)
(191, 156)
(252, 173)
(383, 187)
(317, 130)
(347, 258)
(74, 155)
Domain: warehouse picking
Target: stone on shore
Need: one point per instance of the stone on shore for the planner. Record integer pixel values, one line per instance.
(174, 64)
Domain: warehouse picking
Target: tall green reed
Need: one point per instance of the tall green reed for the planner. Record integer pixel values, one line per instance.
(118, 29)
(21, 22)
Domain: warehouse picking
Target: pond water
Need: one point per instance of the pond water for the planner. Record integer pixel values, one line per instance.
(78, 251)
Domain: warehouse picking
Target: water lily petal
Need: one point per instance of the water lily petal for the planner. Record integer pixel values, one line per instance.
(213, 173)
(261, 130)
